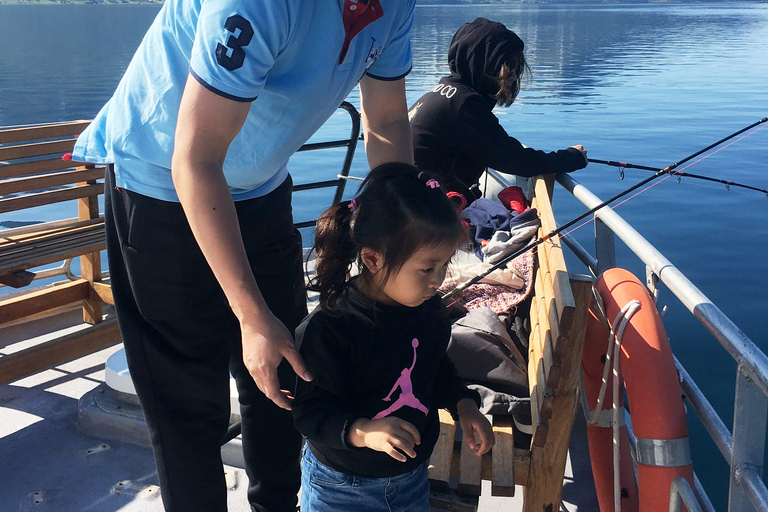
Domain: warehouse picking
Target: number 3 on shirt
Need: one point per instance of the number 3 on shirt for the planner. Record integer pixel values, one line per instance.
(234, 24)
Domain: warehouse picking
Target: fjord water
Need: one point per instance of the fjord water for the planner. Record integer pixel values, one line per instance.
(646, 83)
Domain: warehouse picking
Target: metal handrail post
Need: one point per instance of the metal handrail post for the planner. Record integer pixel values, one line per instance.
(605, 246)
(353, 136)
(748, 451)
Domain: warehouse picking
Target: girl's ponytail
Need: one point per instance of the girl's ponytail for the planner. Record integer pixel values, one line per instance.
(335, 253)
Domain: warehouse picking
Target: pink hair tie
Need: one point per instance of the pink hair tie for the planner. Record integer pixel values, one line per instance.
(433, 184)
(352, 205)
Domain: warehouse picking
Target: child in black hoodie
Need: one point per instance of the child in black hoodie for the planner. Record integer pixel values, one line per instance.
(377, 348)
(455, 133)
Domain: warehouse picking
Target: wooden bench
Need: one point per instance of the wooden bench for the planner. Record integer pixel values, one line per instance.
(558, 321)
(34, 174)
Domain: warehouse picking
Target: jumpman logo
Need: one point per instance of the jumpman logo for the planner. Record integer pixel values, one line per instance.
(406, 390)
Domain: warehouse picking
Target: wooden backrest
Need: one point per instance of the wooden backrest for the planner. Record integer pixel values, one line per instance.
(32, 164)
(33, 174)
(558, 322)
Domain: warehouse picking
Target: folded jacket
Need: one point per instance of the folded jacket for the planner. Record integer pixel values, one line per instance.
(503, 243)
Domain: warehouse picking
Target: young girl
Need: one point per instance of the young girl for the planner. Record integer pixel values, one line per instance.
(377, 348)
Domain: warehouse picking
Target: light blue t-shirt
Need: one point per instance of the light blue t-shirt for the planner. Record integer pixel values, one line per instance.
(281, 55)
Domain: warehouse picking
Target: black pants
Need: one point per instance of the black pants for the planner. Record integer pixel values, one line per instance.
(182, 340)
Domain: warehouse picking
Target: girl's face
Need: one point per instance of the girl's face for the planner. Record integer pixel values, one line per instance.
(417, 280)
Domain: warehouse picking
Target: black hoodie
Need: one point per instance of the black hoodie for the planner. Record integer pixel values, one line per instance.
(455, 133)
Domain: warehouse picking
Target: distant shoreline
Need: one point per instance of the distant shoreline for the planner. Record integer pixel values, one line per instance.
(421, 2)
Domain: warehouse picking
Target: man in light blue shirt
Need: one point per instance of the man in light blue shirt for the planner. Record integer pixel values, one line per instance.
(198, 134)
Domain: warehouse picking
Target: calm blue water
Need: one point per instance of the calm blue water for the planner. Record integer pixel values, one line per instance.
(647, 84)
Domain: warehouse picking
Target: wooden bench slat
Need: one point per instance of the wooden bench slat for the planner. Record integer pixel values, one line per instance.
(44, 230)
(42, 131)
(469, 471)
(52, 196)
(43, 165)
(439, 466)
(53, 297)
(11, 247)
(502, 456)
(55, 179)
(553, 250)
(540, 425)
(45, 355)
(55, 147)
(544, 490)
(57, 247)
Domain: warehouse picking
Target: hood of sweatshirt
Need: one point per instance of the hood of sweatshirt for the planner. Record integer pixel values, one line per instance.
(478, 50)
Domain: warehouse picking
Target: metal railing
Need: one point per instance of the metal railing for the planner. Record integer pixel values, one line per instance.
(743, 447)
(340, 181)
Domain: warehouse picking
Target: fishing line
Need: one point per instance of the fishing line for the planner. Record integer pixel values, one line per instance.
(728, 184)
(673, 173)
(538, 241)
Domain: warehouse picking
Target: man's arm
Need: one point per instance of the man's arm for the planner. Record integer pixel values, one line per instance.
(385, 121)
(206, 126)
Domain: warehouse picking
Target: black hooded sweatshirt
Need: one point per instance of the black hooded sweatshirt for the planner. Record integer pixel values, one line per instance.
(455, 133)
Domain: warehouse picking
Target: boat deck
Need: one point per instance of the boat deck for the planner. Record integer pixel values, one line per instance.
(49, 464)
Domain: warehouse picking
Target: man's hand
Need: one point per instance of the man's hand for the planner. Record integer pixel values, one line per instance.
(265, 344)
(390, 435)
(478, 433)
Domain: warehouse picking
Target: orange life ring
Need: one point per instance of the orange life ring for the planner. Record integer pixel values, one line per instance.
(655, 398)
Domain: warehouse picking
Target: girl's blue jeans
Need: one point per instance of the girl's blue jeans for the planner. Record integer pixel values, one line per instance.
(324, 489)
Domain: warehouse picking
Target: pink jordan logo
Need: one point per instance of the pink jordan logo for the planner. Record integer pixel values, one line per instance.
(406, 390)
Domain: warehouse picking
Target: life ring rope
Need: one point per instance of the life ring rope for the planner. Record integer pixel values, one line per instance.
(596, 416)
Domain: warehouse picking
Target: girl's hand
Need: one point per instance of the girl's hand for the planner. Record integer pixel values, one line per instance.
(478, 433)
(386, 435)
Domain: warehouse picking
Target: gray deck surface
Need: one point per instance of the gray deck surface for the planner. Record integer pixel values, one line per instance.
(48, 464)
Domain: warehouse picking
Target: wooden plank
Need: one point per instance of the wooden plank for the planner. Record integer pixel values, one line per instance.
(27, 234)
(52, 196)
(540, 425)
(522, 463)
(542, 305)
(503, 457)
(550, 365)
(65, 348)
(582, 293)
(55, 179)
(30, 250)
(469, 471)
(90, 263)
(544, 489)
(555, 260)
(439, 466)
(35, 167)
(34, 302)
(35, 228)
(55, 147)
(42, 131)
(104, 291)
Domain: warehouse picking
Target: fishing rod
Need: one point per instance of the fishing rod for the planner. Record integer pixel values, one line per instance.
(728, 184)
(540, 240)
